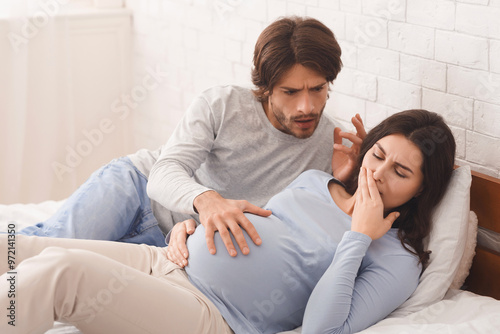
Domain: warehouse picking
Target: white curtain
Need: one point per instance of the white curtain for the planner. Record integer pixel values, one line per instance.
(51, 138)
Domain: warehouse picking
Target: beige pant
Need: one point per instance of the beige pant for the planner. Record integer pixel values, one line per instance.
(100, 287)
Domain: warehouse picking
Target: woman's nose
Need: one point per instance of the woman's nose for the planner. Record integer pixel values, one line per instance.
(378, 174)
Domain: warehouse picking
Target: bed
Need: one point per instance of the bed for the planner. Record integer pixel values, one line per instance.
(459, 292)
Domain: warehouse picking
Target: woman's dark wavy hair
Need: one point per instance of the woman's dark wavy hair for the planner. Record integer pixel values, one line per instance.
(428, 131)
(289, 41)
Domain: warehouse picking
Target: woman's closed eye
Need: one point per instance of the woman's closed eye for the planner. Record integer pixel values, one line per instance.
(396, 168)
(399, 173)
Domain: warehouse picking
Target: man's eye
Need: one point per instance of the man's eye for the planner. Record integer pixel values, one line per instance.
(289, 92)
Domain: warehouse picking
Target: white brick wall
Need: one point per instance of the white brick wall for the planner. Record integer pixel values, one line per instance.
(423, 72)
(440, 55)
(460, 49)
(411, 39)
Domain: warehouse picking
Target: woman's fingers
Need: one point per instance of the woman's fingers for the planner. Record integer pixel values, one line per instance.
(362, 185)
(337, 138)
(372, 186)
(358, 124)
(177, 251)
(354, 138)
(391, 217)
(190, 226)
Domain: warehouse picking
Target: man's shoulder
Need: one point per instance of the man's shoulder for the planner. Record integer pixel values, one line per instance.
(227, 92)
(325, 128)
(228, 100)
(329, 120)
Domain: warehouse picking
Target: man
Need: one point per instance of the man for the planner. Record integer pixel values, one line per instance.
(232, 151)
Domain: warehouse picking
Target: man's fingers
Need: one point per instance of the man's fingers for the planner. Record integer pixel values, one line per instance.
(235, 228)
(251, 208)
(209, 238)
(230, 221)
(226, 226)
(251, 231)
(239, 238)
(248, 226)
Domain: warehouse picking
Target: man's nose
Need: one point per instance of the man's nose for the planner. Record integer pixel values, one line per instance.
(306, 105)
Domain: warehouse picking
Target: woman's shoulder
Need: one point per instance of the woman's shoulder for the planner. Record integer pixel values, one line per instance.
(311, 177)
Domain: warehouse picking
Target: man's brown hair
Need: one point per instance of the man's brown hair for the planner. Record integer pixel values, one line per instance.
(289, 41)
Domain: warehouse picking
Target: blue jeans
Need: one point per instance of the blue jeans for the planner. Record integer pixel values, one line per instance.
(111, 205)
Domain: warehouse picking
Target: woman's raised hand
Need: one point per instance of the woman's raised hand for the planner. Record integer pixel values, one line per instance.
(345, 158)
(368, 215)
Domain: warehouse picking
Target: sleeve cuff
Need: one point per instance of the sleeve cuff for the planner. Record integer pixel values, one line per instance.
(352, 235)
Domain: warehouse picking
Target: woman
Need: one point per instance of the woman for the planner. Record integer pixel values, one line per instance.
(334, 258)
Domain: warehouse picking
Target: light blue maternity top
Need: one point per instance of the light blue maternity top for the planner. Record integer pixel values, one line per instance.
(310, 269)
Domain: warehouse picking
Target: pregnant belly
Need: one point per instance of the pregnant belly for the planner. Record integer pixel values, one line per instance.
(270, 286)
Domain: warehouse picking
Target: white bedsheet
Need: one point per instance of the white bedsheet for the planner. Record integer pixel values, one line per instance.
(458, 312)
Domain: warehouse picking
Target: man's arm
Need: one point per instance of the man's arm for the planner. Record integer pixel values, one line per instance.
(171, 182)
(172, 185)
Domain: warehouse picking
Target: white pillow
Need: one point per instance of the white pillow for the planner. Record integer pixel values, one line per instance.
(446, 241)
(469, 253)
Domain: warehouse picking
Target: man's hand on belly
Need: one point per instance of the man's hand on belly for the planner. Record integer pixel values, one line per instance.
(226, 216)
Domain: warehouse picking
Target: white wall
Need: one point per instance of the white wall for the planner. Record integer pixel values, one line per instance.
(63, 72)
(398, 54)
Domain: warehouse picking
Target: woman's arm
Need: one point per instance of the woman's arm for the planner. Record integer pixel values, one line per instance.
(346, 300)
